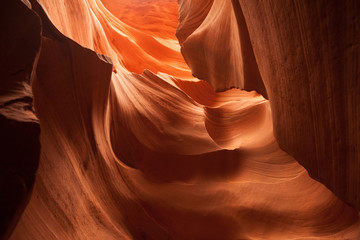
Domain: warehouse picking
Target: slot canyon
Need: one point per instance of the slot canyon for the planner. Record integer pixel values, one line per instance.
(179, 120)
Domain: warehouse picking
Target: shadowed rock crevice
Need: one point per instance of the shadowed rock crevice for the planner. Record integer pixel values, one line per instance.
(19, 127)
(162, 155)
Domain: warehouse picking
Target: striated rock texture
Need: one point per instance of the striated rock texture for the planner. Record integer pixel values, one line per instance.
(307, 53)
(136, 148)
(215, 43)
(19, 128)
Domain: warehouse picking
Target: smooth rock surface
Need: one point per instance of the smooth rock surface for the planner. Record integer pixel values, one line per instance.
(19, 127)
(308, 56)
(161, 155)
(306, 53)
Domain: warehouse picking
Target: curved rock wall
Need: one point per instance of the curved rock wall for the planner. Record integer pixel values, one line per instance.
(215, 43)
(307, 54)
(160, 155)
(19, 127)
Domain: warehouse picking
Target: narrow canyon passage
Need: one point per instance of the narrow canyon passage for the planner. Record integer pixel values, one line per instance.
(133, 146)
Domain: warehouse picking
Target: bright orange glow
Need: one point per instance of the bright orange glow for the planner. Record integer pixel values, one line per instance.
(153, 152)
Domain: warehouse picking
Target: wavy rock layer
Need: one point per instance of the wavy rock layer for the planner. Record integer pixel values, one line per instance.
(215, 43)
(307, 54)
(310, 66)
(19, 127)
(156, 156)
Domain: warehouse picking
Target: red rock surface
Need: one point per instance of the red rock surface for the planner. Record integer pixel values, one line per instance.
(309, 60)
(19, 127)
(161, 154)
(307, 54)
(215, 43)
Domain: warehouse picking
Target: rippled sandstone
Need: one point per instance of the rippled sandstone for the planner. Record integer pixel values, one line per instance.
(134, 147)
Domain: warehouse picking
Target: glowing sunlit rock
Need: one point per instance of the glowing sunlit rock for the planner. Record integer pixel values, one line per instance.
(134, 147)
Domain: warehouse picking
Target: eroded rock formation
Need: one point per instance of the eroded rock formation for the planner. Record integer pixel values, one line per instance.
(307, 54)
(310, 66)
(19, 127)
(133, 147)
(215, 42)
